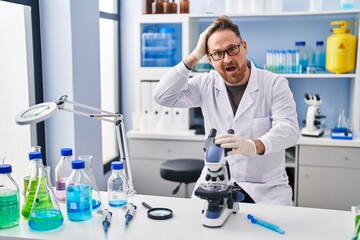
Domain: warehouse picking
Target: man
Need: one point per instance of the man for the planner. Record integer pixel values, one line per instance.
(258, 105)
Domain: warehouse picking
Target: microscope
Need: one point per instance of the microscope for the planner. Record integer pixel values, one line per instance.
(313, 124)
(221, 196)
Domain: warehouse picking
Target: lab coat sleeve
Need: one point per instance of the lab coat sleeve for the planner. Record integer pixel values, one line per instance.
(176, 89)
(285, 131)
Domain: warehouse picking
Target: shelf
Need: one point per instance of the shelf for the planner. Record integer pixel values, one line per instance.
(323, 75)
(155, 18)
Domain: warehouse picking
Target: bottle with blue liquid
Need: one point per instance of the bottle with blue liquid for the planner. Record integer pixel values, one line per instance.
(117, 185)
(9, 198)
(303, 55)
(45, 213)
(78, 193)
(319, 56)
(95, 194)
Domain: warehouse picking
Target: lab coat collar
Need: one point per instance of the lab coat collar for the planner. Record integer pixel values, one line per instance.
(246, 100)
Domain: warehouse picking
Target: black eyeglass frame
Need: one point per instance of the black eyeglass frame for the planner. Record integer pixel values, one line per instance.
(226, 51)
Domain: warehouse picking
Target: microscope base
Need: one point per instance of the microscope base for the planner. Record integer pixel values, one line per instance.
(209, 221)
(313, 133)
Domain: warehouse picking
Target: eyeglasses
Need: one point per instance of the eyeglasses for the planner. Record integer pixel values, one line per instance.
(231, 51)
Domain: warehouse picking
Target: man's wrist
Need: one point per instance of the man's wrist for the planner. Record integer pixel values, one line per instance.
(196, 54)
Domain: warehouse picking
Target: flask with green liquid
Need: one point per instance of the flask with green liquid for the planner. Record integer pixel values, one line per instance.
(9, 198)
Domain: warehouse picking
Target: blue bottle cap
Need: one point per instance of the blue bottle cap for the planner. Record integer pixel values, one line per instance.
(117, 165)
(300, 43)
(319, 43)
(5, 168)
(34, 155)
(66, 152)
(78, 164)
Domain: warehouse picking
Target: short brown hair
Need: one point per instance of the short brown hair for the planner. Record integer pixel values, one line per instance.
(222, 23)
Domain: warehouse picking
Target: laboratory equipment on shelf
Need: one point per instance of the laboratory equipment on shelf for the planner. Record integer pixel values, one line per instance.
(319, 58)
(313, 125)
(341, 48)
(42, 111)
(221, 195)
(342, 129)
(303, 54)
(95, 194)
(62, 172)
(45, 212)
(9, 198)
(78, 193)
(31, 183)
(116, 186)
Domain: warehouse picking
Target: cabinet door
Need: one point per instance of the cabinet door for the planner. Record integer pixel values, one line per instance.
(328, 187)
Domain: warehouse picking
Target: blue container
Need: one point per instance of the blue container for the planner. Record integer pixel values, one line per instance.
(158, 49)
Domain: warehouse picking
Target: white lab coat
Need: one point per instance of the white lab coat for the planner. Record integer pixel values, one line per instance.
(267, 112)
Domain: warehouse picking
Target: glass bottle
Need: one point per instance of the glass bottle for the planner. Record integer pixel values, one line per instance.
(157, 7)
(30, 184)
(147, 6)
(96, 200)
(174, 7)
(78, 193)
(9, 198)
(184, 6)
(62, 172)
(303, 55)
(45, 213)
(167, 6)
(117, 186)
(319, 56)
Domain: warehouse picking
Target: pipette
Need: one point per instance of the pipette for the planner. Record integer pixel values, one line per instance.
(129, 213)
(106, 218)
(265, 224)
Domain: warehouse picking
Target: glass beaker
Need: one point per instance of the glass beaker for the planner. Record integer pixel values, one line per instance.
(45, 212)
(96, 200)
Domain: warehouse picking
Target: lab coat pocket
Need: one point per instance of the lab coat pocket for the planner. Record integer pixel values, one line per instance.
(260, 126)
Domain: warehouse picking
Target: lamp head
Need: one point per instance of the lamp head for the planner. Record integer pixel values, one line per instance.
(36, 113)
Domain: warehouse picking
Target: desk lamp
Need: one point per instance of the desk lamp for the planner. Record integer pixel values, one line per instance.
(43, 111)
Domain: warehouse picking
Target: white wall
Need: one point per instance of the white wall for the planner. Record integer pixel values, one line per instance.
(15, 140)
(71, 65)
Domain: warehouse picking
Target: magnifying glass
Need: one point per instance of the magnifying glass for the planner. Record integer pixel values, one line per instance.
(158, 213)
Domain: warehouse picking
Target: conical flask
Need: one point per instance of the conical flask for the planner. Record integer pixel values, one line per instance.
(31, 182)
(96, 200)
(45, 213)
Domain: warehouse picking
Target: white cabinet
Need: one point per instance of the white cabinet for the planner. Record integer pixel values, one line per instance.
(329, 177)
(149, 151)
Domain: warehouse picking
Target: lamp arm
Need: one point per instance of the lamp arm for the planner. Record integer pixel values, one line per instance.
(120, 133)
(124, 154)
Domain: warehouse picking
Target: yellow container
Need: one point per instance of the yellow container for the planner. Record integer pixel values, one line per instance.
(341, 48)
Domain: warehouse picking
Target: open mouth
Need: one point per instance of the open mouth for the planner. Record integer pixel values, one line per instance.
(230, 69)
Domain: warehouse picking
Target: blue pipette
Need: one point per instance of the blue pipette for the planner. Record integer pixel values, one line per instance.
(129, 213)
(106, 218)
(265, 224)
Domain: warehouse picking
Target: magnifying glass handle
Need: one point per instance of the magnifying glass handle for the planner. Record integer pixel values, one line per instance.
(146, 205)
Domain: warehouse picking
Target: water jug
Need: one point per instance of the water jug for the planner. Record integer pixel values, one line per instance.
(341, 48)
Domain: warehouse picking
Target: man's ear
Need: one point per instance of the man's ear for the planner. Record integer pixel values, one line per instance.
(244, 43)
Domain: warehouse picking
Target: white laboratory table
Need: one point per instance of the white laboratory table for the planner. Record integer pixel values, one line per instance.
(298, 223)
